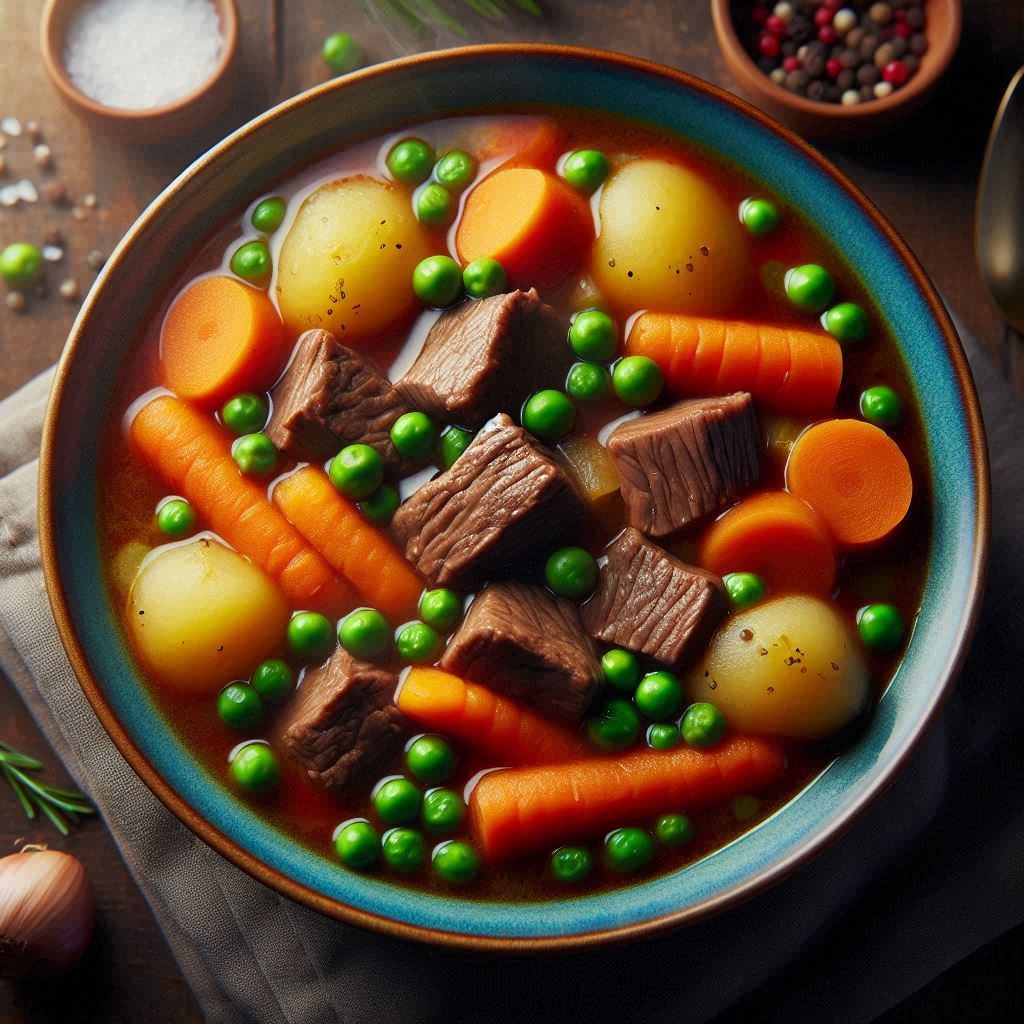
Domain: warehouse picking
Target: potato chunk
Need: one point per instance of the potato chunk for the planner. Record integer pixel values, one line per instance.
(346, 264)
(788, 667)
(669, 241)
(201, 615)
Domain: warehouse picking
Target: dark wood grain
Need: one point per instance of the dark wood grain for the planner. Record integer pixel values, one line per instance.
(922, 175)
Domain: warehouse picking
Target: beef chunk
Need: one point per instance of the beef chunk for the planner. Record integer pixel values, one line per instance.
(650, 602)
(342, 721)
(488, 356)
(686, 462)
(521, 640)
(332, 396)
(504, 497)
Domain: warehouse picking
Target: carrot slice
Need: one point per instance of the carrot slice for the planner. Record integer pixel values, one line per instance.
(192, 455)
(815, 369)
(773, 369)
(522, 810)
(508, 732)
(707, 360)
(854, 476)
(363, 554)
(776, 536)
(740, 359)
(221, 337)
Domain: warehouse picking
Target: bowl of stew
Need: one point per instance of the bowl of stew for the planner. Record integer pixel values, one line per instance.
(516, 523)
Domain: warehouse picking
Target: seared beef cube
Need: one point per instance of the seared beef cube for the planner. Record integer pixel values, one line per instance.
(502, 503)
(332, 396)
(488, 356)
(519, 639)
(342, 721)
(650, 602)
(686, 462)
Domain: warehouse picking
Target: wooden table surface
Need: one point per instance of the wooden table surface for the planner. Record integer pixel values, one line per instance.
(922, 175)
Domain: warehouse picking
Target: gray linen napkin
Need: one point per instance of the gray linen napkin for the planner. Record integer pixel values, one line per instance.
(930, 874)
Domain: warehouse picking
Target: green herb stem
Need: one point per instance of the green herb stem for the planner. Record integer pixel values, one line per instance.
(61, 807)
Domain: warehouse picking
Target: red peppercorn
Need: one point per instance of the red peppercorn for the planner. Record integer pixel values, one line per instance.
(896, 72)
(902, 29)
(758, 15)
(823, 16)
(827, 34)
(833, 66)
(792, 64)
(774, 24)
(768, 45)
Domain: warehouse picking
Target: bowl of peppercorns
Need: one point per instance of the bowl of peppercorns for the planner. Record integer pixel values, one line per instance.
(835, 70)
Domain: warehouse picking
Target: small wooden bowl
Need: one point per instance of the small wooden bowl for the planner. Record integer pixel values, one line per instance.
(832, 122)
(154, 124)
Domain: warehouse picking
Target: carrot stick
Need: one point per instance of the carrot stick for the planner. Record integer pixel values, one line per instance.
(193, 456)
(353, 547)
(528, 809)
(785, 368)
(776, 536)
(221, 337)
(854, 476)
(498, 726)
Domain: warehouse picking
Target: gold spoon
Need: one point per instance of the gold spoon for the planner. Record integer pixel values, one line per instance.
(999, 222)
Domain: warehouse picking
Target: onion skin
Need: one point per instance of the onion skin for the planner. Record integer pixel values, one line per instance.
(46, 912)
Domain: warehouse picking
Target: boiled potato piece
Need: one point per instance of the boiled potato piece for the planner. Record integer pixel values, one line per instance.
(346, 264)
(201, 615)
(788, 667)
(669, 241)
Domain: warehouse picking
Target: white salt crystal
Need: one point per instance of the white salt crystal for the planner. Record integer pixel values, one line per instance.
(53, 253)
(8, 195)
(27, 191)
(140, 54)
(10, 126)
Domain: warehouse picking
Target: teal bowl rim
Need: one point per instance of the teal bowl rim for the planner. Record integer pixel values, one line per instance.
(648, 906)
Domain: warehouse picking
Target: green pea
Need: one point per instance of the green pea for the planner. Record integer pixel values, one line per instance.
(397, 802)
(484, 277)
(846, 322)
(571, 572)
(759, 216)
(273, 680)
(585, 170)
(357, 471)
(880, 626)
(629, 849)
(443, 811)
(430, 759)
(410, 161)
(268, 215)
(251, 261)
(254, 454)
(21, 264)
(404, 850)
(239, 706)
(594, 336)
(456, 862)
(414, 435)
(342, 53)
(549, 414)
(255, 768)
(744, 589)
(434, 205)
(418, 644)
(745, 807)
(380, 506)
(572, 864)
(454, 441)
(659, 696)
(455, 170)
(809, 287)
(588, 382)
(621, 670)
(703, 725)
(616, 727)
(881, 405)
(441, 609)
(357, 844)
(245, 414)
(310, 636)
(673, 830)
(663, 736)
(637, 381)
(437, 281)
(365, 634)
(176, 518)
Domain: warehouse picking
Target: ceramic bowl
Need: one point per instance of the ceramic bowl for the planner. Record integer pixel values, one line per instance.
(218, 186)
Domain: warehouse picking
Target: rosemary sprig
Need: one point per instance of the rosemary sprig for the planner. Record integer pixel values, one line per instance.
(61, 806)
(417, 15)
